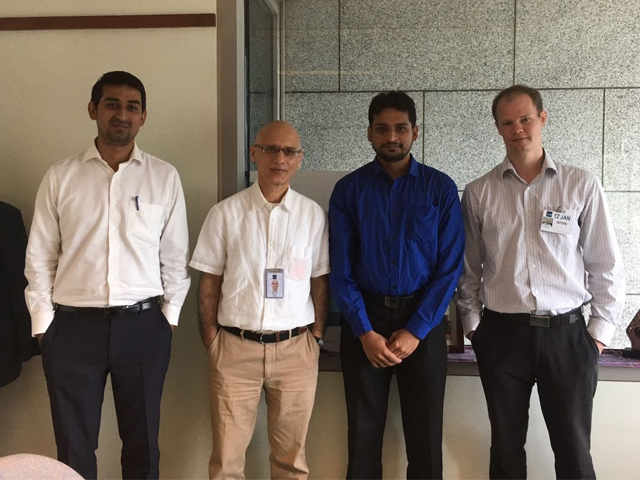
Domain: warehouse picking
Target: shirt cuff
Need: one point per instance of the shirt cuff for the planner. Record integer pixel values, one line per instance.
(601, 330)
(417, 329)
(172, 313)
(470, 322)
(40, 322)
(360, 326)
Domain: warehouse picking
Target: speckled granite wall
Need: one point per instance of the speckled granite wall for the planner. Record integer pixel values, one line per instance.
(454, 56)
(313, 64)
(577, 43)
(622, 140)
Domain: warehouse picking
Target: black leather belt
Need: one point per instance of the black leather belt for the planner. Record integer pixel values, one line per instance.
(265, 337)
(389, 301)
(534, 320)
(113, 311)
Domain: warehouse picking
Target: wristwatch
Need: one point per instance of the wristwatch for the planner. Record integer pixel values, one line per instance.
(319, 341)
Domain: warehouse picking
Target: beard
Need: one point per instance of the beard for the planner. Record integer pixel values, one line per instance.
(392, 157)
(119, 137)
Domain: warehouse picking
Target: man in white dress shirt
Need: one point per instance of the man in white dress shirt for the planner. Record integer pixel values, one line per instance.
(107, 270)
(540, 244)
(257, 337)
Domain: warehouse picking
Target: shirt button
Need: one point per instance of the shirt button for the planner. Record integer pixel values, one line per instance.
(393, 262)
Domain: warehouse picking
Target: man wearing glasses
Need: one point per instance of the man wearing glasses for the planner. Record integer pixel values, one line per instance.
(257, 338)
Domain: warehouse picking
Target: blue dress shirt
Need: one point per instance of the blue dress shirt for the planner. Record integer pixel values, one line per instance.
(395, 238)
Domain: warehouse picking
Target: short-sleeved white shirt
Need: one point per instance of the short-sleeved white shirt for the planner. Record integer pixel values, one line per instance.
(244, 235)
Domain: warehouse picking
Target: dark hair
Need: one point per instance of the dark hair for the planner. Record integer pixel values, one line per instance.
(513, 91)
(396, 99)
(118, 78)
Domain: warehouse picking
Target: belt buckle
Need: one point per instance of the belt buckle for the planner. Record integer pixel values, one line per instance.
(261, 341)
(391, 302)
(539, 320)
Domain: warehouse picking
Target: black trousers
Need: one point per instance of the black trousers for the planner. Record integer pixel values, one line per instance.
(421, 382)
(78, 352)
(563, 361)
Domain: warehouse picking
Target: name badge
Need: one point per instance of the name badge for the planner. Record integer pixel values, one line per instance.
(556, 222)
(274, 283)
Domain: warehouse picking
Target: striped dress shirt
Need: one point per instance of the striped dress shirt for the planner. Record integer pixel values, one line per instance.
(511, 265)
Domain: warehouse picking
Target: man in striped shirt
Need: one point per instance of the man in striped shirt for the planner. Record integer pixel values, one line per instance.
(540, 245)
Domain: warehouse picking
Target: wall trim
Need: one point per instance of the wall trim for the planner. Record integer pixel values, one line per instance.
(108, 22)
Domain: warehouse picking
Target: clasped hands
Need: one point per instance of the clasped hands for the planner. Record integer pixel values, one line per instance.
(386, 353)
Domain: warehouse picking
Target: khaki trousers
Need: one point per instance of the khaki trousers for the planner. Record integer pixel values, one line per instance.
(238, 372)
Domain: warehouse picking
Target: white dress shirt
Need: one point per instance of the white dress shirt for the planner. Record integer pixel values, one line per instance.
(512, 266)
(103, 238)
(242, 236)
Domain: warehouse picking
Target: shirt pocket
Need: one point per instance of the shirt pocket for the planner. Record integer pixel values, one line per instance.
(561, 243)
(298, 262)
(144, 222)
(422, 223)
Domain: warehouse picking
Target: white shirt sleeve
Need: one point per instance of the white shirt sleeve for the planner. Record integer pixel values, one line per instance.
(469, 286)
(320, 259)
(210, 253)
(603, 264)
(174, 254)
(42, 255)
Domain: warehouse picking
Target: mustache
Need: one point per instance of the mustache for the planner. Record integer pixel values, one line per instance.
(117, 123)
(399, 145)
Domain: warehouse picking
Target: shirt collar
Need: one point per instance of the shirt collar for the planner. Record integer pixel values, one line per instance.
(92, 152)
(258, 200)
(377, 168)
(547, 164)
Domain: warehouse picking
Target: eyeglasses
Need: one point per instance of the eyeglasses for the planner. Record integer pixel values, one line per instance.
(273, 150)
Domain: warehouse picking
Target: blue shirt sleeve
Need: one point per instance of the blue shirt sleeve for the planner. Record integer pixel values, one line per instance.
(343, 241)
(439, 290)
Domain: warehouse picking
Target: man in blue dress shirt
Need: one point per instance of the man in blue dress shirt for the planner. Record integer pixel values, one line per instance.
(397, 244)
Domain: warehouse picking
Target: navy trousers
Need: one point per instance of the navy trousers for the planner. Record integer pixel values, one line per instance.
(78, 352)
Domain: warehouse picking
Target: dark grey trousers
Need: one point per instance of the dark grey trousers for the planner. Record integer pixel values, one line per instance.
(421, 382)
(563, 361)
